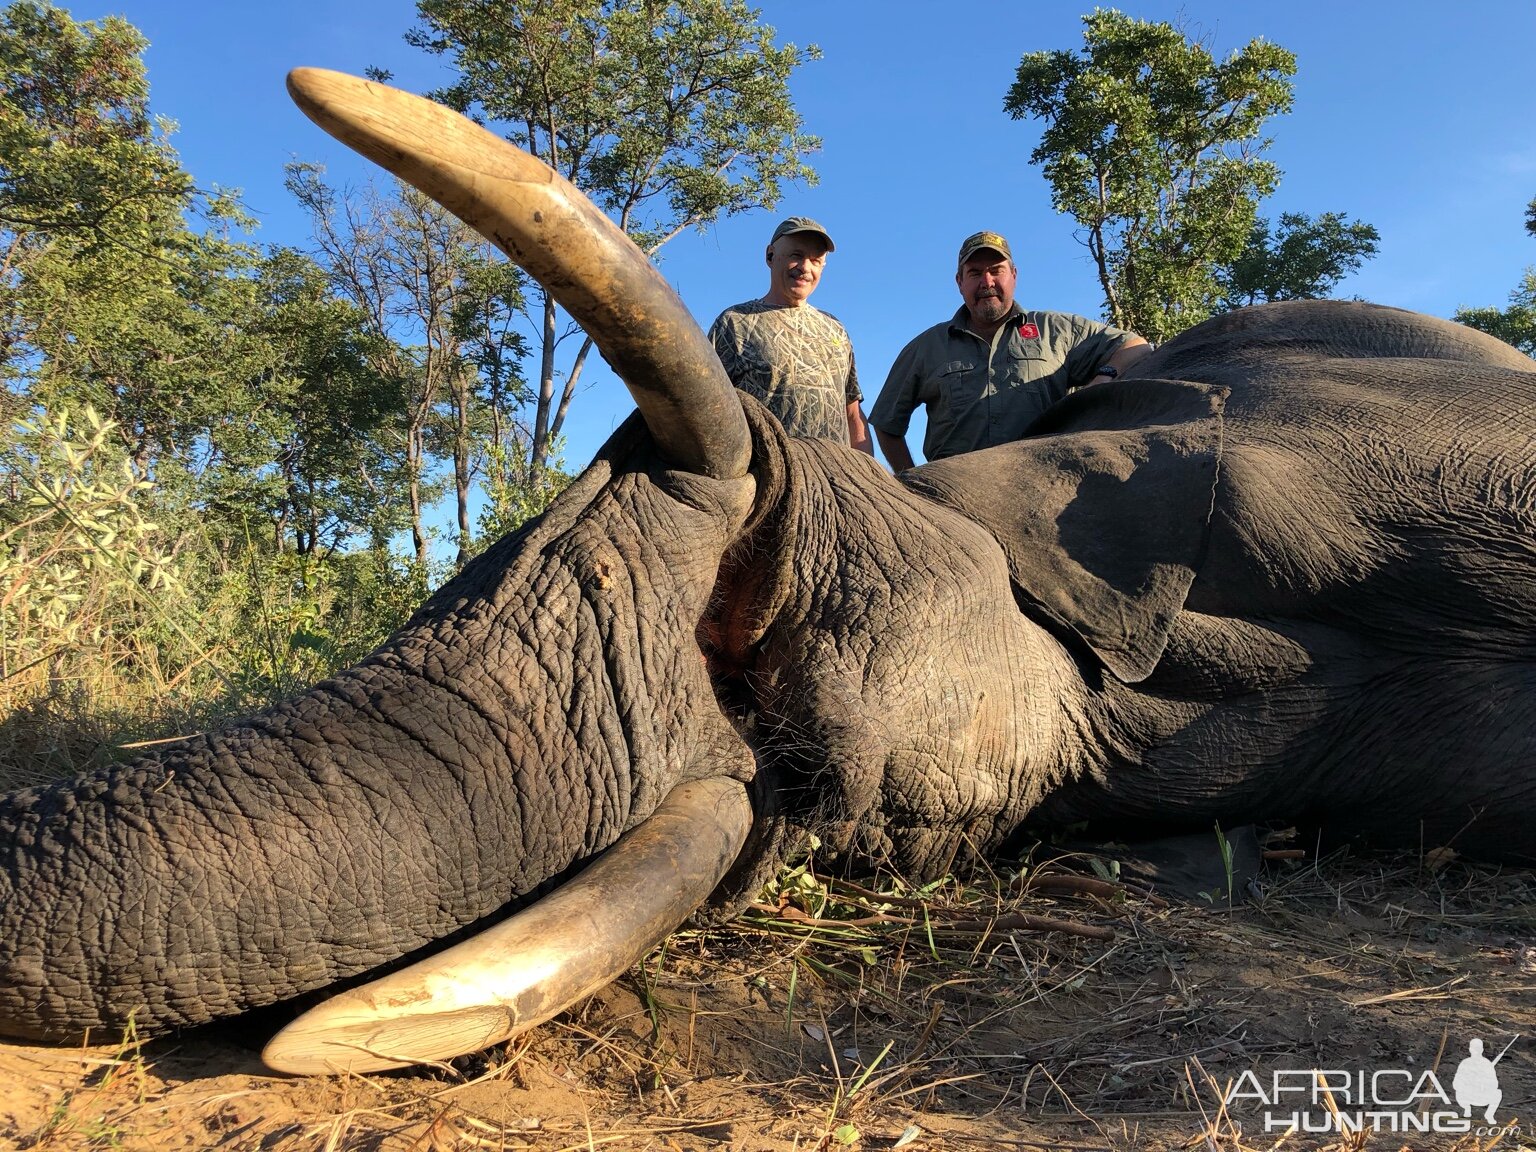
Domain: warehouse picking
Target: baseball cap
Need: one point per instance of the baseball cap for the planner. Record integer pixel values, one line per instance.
(802, 224)
(977, 241)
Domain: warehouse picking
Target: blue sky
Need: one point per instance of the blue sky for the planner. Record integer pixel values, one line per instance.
(1416, 118)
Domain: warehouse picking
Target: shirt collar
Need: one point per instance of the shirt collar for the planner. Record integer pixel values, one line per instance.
(961, 320)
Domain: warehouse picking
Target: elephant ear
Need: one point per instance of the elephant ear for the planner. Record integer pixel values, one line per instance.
(1103, 509)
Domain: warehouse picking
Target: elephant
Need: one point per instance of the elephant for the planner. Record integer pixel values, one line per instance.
(1288, 572)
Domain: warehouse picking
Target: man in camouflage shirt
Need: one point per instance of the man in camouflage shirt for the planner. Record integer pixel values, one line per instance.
(987, 372)
(794, 358)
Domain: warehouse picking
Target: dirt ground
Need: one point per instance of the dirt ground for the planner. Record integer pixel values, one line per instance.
(876, 1017)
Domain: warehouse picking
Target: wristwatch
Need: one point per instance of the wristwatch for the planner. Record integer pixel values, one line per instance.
(1108, 370)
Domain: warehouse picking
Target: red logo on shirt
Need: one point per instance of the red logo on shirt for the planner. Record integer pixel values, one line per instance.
(1029, 332)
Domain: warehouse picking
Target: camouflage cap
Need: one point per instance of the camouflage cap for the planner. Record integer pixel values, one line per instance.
(801, 224)
(978, 241)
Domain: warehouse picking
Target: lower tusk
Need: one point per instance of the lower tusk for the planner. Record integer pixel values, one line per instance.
(529, 967)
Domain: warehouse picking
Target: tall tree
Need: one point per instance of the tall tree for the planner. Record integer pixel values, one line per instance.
(1304, 258)
(80, 156)
(186, 427)
(324, 405)
(109, 297)
(420, 277)
(668, 113)
(78, 147)
(1156, 149)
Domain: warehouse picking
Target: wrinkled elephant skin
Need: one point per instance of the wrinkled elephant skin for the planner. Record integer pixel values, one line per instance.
(1290, 574)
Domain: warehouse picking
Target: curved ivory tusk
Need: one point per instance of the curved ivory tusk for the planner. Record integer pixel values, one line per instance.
(550, 228)
(529, 967)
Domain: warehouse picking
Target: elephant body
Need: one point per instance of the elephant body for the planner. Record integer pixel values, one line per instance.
(1292, 578)
(1357, 644)
(1286, 575)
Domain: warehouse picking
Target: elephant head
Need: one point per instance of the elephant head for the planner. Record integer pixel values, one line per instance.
(586, 678)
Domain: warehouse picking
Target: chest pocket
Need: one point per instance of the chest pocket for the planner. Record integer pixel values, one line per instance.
(962, 382)
(1027, 350)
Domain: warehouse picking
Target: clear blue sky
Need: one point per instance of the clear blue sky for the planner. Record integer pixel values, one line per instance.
(1417, 118)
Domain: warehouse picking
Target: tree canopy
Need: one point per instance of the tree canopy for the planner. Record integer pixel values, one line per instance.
(668, 115)
(79, 151)
(1156, 149)
(1303, 258)
(222, 460)
(1516, 324)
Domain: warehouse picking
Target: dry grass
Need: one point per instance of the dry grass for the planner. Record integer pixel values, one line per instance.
(876, 1015)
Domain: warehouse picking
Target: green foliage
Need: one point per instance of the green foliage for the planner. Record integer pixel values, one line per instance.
(1155, 149)
(194, 436)
(669, 115)
(440, 308)
(1515, 325)
(77, 555)
(79, 152)
(291, 618)
(1303, 259)
(314, 442)
(513, 495)
(112, 623)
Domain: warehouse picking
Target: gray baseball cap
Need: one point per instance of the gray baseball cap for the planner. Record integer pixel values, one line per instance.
(979, 241)
(801, 224)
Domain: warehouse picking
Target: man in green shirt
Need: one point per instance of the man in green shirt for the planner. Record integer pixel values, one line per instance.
(795, 358)
(988, 371)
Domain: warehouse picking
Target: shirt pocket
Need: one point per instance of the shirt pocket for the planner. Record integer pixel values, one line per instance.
(961, 383)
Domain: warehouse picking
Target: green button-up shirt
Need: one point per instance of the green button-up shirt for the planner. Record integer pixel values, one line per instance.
(978, 393)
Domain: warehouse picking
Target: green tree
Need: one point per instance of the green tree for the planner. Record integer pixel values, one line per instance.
(668, 113)
(1156, 150)
(80, 156)
(439, 305)
(1304, 258)
(78, 147)
(1514, 325)
(323, 407)
(190, 443)
(156, 339)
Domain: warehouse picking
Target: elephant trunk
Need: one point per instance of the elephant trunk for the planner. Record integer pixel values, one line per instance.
(538, 707)
(320, 840)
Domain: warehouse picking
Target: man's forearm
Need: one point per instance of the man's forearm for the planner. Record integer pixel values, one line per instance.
(1128, 355)
(897, 454)
(858, 430)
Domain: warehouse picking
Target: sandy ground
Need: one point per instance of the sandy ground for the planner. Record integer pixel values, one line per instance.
(929, 1020)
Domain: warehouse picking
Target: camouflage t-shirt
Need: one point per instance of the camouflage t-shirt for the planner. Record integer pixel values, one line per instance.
(797, 361)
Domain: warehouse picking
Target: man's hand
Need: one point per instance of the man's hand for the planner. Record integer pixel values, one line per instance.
(897, 454)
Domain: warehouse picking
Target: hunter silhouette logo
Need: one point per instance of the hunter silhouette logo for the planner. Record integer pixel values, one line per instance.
(1476, 1083)
(1341, 1100)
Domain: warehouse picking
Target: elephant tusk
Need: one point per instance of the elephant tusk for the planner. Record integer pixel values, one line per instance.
(546, 225)
(527, 968)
